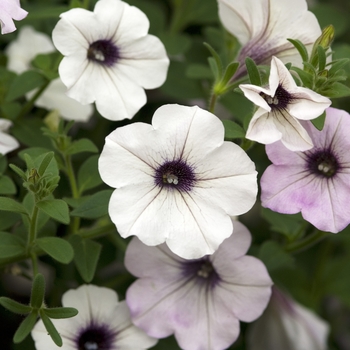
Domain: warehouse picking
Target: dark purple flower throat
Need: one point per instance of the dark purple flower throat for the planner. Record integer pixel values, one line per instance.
(175, 174)
(96, 338)
(103, 52)
(323, 163)
(280, 100)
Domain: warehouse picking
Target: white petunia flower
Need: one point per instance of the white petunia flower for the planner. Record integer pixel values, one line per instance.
(263, 26)
(7, 142)
(177, 181)
(102, 323)
(10, 10)
(109, 57)
(280, 106)
(21, 52)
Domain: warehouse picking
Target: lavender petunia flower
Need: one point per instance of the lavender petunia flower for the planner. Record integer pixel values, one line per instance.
(263, 26)
(280, 107)
(102, 323)
(287, 325)
(177, 181)
(10, 10)
(199, 301)
(316, 182)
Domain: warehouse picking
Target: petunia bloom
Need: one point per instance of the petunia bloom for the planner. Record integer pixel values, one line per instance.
(109, 57)
(10, 10)
(285, 324)
(102, 323)
(199, 301)
(280, 105)
(21, 52)
(177, 181)
(316, 182)
(7, 142)
(263, 26)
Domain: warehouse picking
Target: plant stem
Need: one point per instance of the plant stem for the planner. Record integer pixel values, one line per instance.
(98, 231)
(29, 105)
(306, 243)
(212, 102)
(75, 223)
(32, 228)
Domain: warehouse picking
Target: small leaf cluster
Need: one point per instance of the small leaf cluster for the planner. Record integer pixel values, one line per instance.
(320, 73)
(35, 309)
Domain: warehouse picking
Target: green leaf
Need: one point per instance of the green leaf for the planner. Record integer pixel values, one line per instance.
(45, 163)
(175, 44)
(3, 164)
(233, 130)
(253, 72)
(286, 224)
(28, 132)
(337, 90)
(229, 72)
(80, 146)
(38, 291)
(10, 245)
(8, 204)
(11, 109)
(8, 219)
(7, 186)
(61, 312)
(319, 121)
(95, 207)
(217, 60)
(321, 58)
(44, 11)
(25, 327)
(18, 171)
(24, 83)
(15, 306)
(55, 208)
(337, 65)
(58, 248)
(76, 202)
(51, 329)
(301, 49)
(86, 255)
(199, 71)
(88, 174)
(306, 78)
(274, 257)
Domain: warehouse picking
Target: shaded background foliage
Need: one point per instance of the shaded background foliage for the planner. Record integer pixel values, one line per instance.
(318, 278)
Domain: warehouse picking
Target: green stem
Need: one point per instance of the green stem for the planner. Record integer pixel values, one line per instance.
(306, 243)
(29, 105)
(75, 223)
(32, 228)
(180, 11)
(212, 102)
(86, 4)
(34, 263)
(98, 231)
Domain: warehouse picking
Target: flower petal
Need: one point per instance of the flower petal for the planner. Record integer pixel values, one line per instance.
(262, 128)
(145, 62)
(294, 136)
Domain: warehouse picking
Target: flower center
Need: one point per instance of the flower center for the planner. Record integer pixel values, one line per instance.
(323, 163)
(103, 52)
(281, 99)
(175, 174)
(202, 270)
(95, 338)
